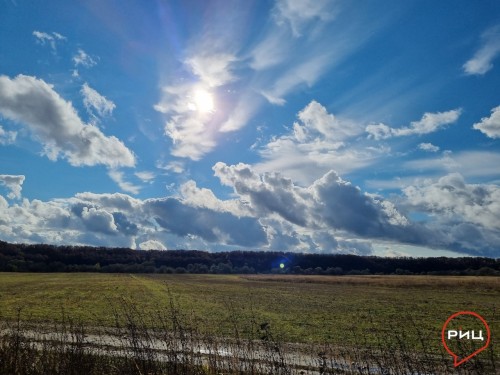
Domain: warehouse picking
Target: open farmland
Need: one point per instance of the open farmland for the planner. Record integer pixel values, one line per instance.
(329, 322)
(305, 309)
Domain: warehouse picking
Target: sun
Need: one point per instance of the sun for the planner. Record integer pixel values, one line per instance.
(204, 101)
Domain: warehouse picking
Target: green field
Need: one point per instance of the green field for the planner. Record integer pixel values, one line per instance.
(331, 309)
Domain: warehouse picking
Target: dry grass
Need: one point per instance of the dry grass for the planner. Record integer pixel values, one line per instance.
(181, 347)
(448, 282)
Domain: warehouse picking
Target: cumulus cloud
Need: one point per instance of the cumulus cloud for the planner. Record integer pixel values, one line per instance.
(178, 220)
(152, 245)
(212, 226)
(429, 123)
(469, 214)
(482, 61)
(194, 196)
(428, 147)
(345, 214)
(7, 137)
(83, 59)
(95, 102)
(13, 183)
(453, 198)
(270, 193)
(50, 38)
(98, 220)
(111, 202)
(269, 211)
(55, 124)
(490, 126)
(345, 206)
(329, 203)
(318, 142)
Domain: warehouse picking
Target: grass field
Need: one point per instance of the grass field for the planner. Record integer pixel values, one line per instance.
(298, 308)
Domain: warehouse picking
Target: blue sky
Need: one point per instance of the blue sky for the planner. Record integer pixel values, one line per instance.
(317, 126)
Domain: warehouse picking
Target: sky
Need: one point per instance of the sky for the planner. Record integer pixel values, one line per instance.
(361, 127)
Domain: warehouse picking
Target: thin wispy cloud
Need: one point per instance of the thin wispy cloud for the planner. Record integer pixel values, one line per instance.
(119, 177)
(482, 61)
(96, 103)
(7, 137)
(48, 38)
(298, 14)
(429, 123)
(81, 58)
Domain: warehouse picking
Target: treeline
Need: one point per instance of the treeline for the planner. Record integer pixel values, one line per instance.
(49, 258)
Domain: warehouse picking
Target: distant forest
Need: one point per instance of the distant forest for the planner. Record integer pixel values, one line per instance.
(49, 258)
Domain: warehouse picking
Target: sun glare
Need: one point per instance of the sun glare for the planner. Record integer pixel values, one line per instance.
(204, 101)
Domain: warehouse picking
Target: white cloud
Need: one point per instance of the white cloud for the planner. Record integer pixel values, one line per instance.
(467, 163)
(269, 211)
(83, 59)
(428, 147)
(213, 69)
(482, 61)
(98, 220)
(270, 52)
(55, 124)
(317, 143)
(111, 202)
(316, 119)
(334, 205)
(453, 198)
(50, 38)
(299, 13)
(244, 109)
(468, 215)
(329, 203)
(7, 137)
(304, 72)
(490, 126)
(194, 196)
(146, 176)
(152, 245)
(191, 108)
(94, 101)
(119, 178)
(184, 220)
(429, 123)
(175, 166)
(14, 183)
